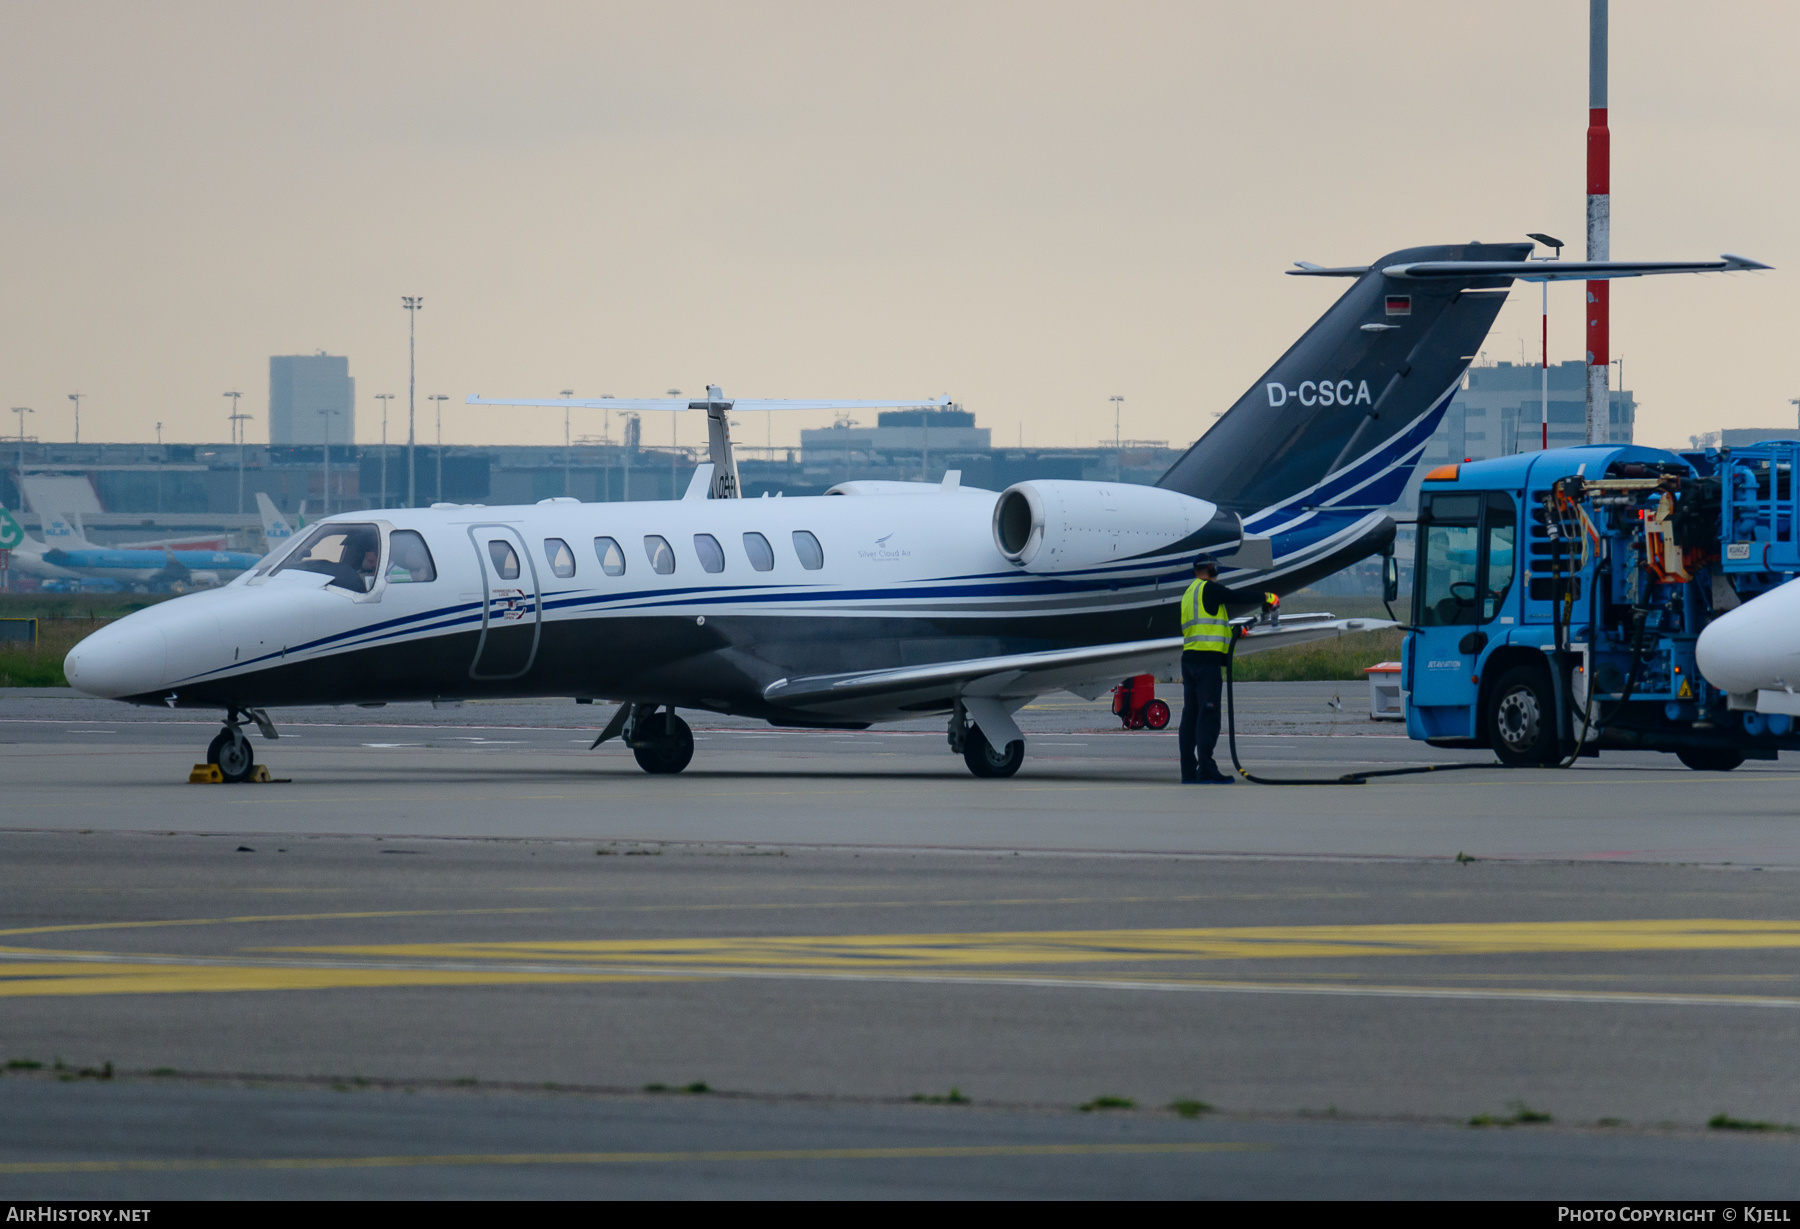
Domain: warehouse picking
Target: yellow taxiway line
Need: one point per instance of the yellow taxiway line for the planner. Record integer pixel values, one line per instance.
(620, 1158)
(896, 952)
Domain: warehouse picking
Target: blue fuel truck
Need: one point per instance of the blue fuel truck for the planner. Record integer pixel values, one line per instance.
(1557, 597)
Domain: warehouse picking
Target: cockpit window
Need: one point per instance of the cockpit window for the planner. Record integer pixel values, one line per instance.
(562, 559)
(662, 555)
(409, 559)
(349, 554)
(506, 560)
(612, 559)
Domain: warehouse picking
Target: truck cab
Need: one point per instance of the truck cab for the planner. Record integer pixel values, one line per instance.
(1558, 595)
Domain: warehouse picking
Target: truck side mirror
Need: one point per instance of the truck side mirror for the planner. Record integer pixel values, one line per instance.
(1390, 578)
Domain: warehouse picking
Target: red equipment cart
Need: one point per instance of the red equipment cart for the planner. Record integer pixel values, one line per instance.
(1136, 706)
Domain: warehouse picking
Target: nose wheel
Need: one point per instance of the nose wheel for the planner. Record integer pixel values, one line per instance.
(234, 755)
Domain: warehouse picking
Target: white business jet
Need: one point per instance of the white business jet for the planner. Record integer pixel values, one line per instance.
(876, 602)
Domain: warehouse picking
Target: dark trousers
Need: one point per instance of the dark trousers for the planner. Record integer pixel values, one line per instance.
(1202, 682)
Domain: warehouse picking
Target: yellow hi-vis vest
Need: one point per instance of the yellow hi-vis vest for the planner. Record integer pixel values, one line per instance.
(1203, 630)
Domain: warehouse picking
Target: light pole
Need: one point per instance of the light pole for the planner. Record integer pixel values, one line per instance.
(384, 398)
(237, 433)
(326, 415)
(21, 411)
(1548, 242)
(159, 461)
(76, 398)
(412, 303)
(567, 445)
(1118, 404)
(440, 398)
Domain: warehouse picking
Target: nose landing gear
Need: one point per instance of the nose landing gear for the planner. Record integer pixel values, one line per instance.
(232, 752)
(231, 749)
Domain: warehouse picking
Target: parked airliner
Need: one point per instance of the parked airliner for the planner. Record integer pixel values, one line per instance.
(877, 602)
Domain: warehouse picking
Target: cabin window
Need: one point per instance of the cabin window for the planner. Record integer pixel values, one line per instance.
(506, 559)
(662, 555)
(612, 559)
(562, 559)
(709, 552)
(409, 559)
(762, 555)
(812, 555)
(349, 554)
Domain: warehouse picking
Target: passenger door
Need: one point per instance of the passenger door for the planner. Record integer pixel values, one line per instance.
(511, 607)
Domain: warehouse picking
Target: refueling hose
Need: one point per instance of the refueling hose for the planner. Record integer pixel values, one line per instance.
(1349, 778)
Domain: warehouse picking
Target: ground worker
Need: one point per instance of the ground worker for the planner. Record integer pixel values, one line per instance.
(1205, 637)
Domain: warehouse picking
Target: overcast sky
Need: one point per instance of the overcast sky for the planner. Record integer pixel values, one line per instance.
(1029, 206)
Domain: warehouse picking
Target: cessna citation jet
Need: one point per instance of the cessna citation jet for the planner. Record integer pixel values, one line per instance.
(879, 601)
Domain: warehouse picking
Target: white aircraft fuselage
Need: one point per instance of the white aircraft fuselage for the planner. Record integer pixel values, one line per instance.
(901, 580)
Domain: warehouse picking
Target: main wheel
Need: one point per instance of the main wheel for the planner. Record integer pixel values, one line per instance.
(1710, 759)
(1521, 718)
(984, 761)
(234, 755)
(1156, 714)
(670, 752)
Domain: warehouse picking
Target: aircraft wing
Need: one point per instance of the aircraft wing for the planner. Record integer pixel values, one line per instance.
(992, 687)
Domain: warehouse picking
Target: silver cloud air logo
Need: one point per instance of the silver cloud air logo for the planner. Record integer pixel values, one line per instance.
(883, 553)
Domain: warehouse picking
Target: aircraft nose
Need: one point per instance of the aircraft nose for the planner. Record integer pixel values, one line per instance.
(121, 660)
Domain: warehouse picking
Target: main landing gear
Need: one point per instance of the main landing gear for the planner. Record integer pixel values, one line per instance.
(231, 749)
(978, 753)
(661, 742)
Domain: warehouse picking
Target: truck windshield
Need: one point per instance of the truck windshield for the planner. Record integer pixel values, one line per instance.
(1466, 559)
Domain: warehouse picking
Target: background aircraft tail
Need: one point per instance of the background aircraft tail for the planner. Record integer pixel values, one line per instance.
(275, 528)
(64, 532)
(1342, 418)
(12, 534)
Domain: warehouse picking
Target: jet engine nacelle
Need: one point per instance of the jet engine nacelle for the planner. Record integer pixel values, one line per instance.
(1062, 526)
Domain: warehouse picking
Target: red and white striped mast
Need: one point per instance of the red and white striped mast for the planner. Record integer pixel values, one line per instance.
(1599, 229)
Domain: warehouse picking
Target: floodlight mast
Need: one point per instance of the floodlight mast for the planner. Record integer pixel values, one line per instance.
(237, 433)
(438, 493)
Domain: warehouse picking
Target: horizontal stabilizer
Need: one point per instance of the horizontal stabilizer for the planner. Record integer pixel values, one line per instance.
(1568, 270)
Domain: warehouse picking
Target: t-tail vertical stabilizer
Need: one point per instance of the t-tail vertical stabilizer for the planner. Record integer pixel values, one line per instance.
(1329, 436)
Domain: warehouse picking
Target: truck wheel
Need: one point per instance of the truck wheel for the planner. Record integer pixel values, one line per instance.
(1521, 718)
(1710, 759)
(984, 761)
